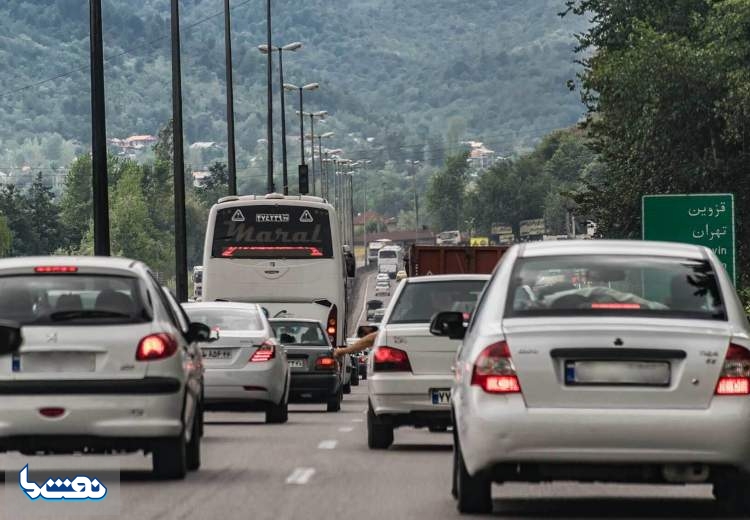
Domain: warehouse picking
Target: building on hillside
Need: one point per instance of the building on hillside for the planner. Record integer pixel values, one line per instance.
(140, 141)
(199, 178)
(480, 157)
(375, 222)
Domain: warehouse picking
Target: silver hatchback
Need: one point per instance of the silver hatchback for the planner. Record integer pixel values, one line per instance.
(603, 361)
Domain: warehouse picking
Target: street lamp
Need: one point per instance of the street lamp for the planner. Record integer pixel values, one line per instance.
(320, 114)
(323, 176)
(309, 87)
(413, 167)
(291, 47)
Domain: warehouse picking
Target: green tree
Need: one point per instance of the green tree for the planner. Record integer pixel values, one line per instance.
(14, 208)
(43, 214)
(6, 238)
(446, 193)
(75, 203)
(215, 185)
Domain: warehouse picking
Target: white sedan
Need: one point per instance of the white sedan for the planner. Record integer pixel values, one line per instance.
(609, 361)
(109, 362)
(410, 370)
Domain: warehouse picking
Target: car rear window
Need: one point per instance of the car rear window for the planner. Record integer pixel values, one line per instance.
(419, 302)
(299, 333)
(72, 299)
(224, 318)
(615, 285)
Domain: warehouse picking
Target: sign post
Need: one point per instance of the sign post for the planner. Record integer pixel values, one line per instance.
(706, 220)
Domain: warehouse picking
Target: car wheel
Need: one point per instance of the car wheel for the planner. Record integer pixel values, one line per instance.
(334, 402)
(194, 446)
(733, 494)
(355, 378)
(474, 492)
(278, 413)
(170, 459)
(348, 388)
(379, 432)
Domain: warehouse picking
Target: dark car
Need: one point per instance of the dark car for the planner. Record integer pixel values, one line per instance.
(372, 307)
(316, 374)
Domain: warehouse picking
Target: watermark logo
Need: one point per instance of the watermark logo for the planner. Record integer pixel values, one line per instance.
(78, 489)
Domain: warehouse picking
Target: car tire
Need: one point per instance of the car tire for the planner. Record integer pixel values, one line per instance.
(474, 493)
(355, 378)
(348, 388)
(170, 459)
(734, 494)
(194, 446)
(278, 413)
(334, 402)
(379, 432)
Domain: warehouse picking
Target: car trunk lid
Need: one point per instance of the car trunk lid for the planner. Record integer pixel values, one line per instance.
(428, 354)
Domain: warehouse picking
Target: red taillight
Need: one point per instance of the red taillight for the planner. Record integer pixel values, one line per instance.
(265, 352)
(735, 374)
(52, 412)
(231, 251)
(48, 269)
(389, 359)
(494, 370)
(325, 363)
(332, 324)
(156, 346)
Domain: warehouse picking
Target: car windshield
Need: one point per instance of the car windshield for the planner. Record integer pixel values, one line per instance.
(224, 318)
(615, 285)
(72, 299)
(299, 333)
(419, 302)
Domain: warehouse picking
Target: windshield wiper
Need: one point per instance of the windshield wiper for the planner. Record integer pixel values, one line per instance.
(83, 314)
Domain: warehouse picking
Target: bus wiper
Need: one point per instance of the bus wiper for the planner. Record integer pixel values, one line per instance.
(82, 314)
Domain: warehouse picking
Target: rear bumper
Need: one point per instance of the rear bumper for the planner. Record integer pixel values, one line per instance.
(408, 395)
(306, 387)
(148, 385)
(264, 382)
(501, 429)
(94, 415)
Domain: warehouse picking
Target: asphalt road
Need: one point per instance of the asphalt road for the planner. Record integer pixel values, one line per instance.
(318, 466)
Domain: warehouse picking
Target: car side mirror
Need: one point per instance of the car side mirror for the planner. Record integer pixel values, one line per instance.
(10, 337)
(364, 330)
(448, 324)
(201, 333)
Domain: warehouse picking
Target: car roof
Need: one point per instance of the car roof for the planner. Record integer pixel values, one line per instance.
(303, 320)
(611, 247)
(447, 278)
(221, 305)
(104, 262)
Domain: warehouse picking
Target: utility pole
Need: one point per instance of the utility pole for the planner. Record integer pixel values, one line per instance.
(99, 179)
(231, 156)
(285, 178)
(269, 71)
(312, 149)
(180, 232)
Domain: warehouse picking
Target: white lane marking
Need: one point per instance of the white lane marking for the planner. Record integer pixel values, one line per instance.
(358, 420)
(328, 445)
(300, 476)
(364, 304)
(346, 429)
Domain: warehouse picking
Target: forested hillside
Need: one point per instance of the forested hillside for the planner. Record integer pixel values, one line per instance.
(416, 76)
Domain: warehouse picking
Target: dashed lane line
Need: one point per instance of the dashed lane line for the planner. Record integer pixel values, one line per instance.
(328, 444)
(300, 476)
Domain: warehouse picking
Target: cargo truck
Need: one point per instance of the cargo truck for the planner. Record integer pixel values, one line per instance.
(429, 260)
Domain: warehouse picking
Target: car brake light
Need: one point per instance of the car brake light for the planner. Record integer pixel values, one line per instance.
(735, 374)
(156, 346)
(52, 412)
(494, 370)
(49, 269)
(389, 359)
(325, 363)
(266, 351)
(332, 324)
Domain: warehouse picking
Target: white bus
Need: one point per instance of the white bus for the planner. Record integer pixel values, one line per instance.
(284, 253)
(374, 247)
(197, 282)
(390, 260)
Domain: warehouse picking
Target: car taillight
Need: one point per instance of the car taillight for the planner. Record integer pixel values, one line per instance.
(51, 269)
(266, 351)
(332, 324)
(325, 363)
(494, 370)
(389, 359)
(735, 374)
(156, 346)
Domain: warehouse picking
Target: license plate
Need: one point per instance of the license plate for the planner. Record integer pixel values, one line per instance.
(646, 373)
(296, 363)
(441, 396)
(56, 362)
(217, 353)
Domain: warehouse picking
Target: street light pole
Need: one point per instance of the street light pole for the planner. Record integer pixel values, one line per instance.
(180, 231)
(100, 194)
(269, 129)
(231, 155)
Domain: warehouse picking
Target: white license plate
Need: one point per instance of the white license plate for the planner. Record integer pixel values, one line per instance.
(441, 396)
(217, 353)
(647, 373)
(296, 363)
(57, 362)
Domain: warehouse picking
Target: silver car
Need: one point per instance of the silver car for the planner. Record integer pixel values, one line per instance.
(409, 369)
(245, 368)
(616, 361)
(109, 363)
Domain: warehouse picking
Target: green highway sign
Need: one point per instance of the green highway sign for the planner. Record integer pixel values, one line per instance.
(706, 220)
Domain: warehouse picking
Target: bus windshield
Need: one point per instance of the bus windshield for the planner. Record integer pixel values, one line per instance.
(387, 254)
(272, 231)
